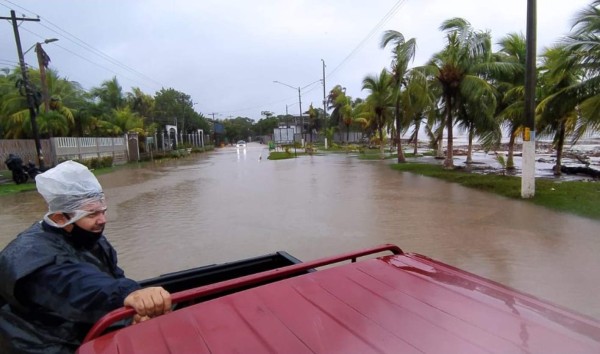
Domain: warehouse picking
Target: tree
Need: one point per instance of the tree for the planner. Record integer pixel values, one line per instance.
(511, 89)
(456, 69)
(584, 47)
(313, 120)
(266, 126)
(141, 103)
(110, 94)
(418, 102)
(558, 74)
(380, 100)
(402, 54)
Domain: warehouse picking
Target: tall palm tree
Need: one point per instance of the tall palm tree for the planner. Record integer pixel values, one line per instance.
(381, 100)
(418, 102)
(127, 120)
(457, 69)
(140, 103)
(584, 44)
(343, 107)
(313, 120)
(511, 89)
(110, 94)
(558, 74)
(402, 54)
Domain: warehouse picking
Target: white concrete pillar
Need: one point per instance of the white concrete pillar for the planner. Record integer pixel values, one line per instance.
(528, 166)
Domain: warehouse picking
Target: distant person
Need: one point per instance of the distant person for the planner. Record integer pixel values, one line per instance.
(58, 277)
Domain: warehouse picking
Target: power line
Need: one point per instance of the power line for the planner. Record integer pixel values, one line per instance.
(8, 61)
(381, 22)
(81, 43)
(84, 58)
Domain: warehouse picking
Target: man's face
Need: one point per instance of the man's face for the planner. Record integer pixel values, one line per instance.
(94, 221)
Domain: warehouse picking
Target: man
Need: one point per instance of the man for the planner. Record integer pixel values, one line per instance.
(58, 277)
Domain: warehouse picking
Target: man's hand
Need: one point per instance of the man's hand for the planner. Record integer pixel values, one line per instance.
(149, 302)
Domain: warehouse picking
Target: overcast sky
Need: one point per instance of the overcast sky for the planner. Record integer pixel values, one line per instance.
(226, 54)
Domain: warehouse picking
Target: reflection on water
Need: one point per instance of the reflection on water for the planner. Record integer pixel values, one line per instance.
(233, 203)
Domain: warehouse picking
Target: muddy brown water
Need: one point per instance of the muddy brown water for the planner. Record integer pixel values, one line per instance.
(232, 204)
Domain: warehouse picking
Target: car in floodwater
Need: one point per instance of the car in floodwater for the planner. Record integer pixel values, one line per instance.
(240, 144)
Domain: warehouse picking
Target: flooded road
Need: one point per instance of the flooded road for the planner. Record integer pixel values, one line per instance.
(232, 204)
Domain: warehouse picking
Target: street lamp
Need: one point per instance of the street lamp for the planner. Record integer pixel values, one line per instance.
(46, 41)
(299, 104)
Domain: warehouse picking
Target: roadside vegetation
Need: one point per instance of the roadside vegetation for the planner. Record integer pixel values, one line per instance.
(577, 197)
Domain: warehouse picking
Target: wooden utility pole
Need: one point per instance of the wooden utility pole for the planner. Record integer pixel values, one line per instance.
(28, 90)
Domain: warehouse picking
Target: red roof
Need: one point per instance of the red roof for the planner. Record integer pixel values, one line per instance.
(403, 303)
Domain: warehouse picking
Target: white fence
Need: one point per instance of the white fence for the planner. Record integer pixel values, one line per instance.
(56, 150)
(68, 148)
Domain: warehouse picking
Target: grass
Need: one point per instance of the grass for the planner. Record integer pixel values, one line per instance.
(576, 197)
(376, 155)
(10, 187)
(282, 155)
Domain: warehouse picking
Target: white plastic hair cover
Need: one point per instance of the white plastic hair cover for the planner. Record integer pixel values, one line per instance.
(70, 188)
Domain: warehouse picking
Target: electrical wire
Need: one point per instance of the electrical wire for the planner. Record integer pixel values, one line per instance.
(381, 22)
(58, 30)
(79, 42)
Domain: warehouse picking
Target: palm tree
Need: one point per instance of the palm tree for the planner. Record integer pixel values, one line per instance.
(141, 103)
(584, 44)
(558, 114)
(418, 102)
(403, 54)
(457, 69)
(127, 120)
(511, 89)
(313, 120)
(110, 94)
(381, 100)
(344, 110)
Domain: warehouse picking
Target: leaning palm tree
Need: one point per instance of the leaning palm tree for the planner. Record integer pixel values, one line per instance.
(511, 89)
(476, 118)
(335, 102)
(381, 99)
(110, 94)
(458, 69)
(402, 54)
(418, 102)
(558, 113)
(584, 45)
(342, 115)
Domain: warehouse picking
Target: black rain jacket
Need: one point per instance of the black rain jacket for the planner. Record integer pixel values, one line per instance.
(53, 291)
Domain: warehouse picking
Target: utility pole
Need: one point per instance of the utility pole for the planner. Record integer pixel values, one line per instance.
(528, 162)
(28, 91)
(214, 128)
(301, 116)
(324, 97)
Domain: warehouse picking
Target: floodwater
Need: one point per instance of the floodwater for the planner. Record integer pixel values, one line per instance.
(230, 204)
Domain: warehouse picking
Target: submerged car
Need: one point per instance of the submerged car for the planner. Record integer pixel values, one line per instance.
(240, 144)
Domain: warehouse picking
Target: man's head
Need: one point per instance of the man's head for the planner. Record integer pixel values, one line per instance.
(74, 196)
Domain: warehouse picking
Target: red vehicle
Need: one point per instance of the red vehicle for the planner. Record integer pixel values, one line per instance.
(398, 303)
